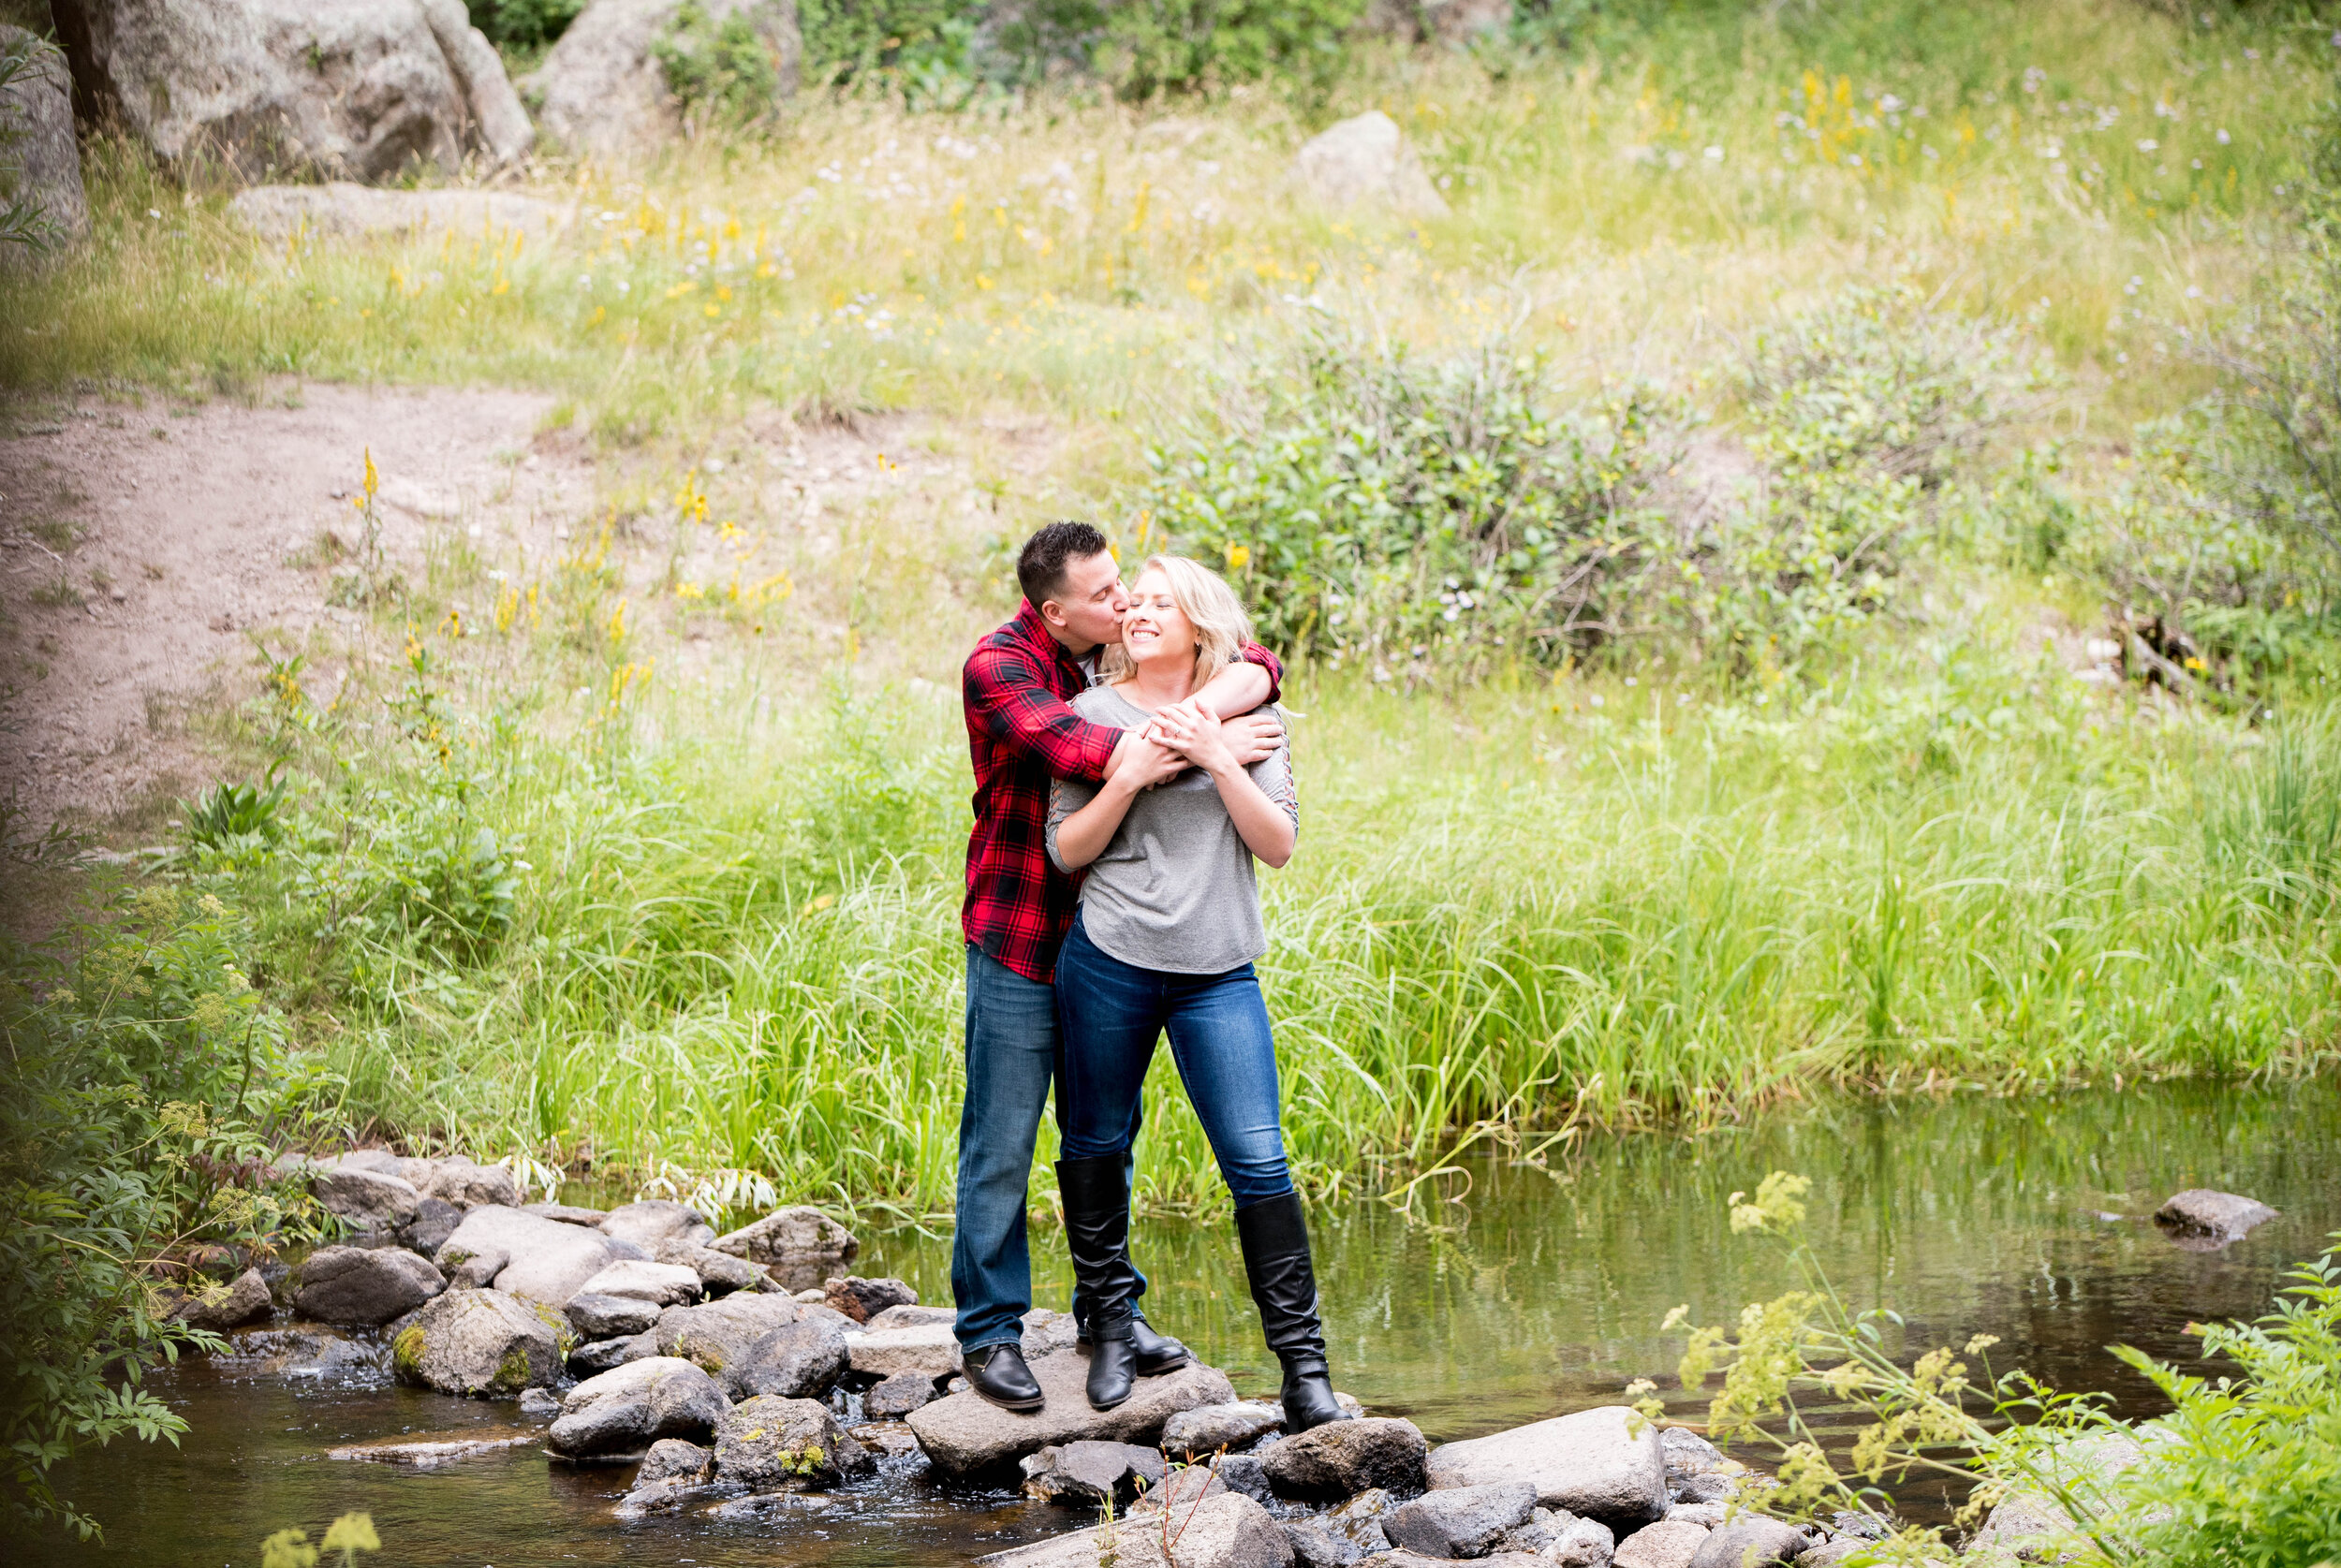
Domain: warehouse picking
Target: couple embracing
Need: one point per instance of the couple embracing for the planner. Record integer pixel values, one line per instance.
(1129, 769)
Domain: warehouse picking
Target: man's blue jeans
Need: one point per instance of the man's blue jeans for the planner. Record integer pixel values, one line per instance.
(1011, 1058)
(1113, 1013)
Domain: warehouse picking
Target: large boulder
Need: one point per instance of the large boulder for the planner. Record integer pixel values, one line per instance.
(928, 1348)
(652, 1221)
(963, 1435)
(717, 1336)
(796, 1240)
(1365, 163)
(1461, 1521)
(602, 89)
(361, 89)
(469, 1185)
(544, 1260)
(366, 1285)
(42, 165)
(368, 1200)
(720, 1273)
(1603, 1463)
(1224, 1530)
(597, 1317)
(1342, 1459)
(665, 1284)
(766, 1443)
(221, 1307)
(625, 1410)
(801, 1360)
(478, 1341)
(1232, 1426)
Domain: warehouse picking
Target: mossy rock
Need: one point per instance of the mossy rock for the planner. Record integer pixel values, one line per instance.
(479, 1342)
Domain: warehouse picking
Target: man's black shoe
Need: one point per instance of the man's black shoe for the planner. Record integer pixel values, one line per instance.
(999, 1374)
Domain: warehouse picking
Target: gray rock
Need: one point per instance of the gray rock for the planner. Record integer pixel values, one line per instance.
(929, 1349)
(1686, 1453)
(429, 1453)
(1708, 1513)
(796, 1237)
(539, 1404)
(1830, 1553)
(1707, 1488)
(1578, 1543)
(1343, 1458)
(1750, 1541)
(962, 1435)
(652, 1221)
(1461, 1521)
(567, 1213)
(589, 1361)
(1245, 1473)
(671, 1459)
(716, 1336)
(472, 1270)
(903, 1317)
(597, 1317)
(469, 1185)
(1232, 1427)
(1661, 1546)
(367, 1285)
(1180, 1487)
(601, 89)
(43, 163)
(2025, 1525)
(861, 1299)
(221, 1307)
(1344, 1535)
(548, 1261)
(896, 1396)
(434, 1220)
(1862, 1526)
(1047, 1332)
(766, 1443)
(1401, 1558)
(2200, 1214)
(303, 1352)
(1365, 163)
(719, 1273)
(801, 1360)
(1229, 1530)
(651, 1497)
(663, 1284)
(628, 1407)
(357, 89)
(1087, 1473)
(1594, 1463)
(369, 1200)
(478, 1341)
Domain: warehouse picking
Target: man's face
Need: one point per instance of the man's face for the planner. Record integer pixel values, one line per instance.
(1087, 609)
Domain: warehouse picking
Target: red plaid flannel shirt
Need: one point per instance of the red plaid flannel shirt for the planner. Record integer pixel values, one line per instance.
(1018, 688)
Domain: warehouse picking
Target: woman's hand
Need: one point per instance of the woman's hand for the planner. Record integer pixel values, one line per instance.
(1148, 763)
(1196, 734)
(1251, 736)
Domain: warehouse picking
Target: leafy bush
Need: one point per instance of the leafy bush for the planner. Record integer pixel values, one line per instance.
(922, 39)
(233, 818)
(524, 24)
(146, 1085)
(723, 72)
(1143, 48)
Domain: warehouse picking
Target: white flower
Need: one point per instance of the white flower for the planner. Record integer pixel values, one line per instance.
(1714, 155)
(2148, 144)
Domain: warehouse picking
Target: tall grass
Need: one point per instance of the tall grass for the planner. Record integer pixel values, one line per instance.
(737, 946)
(2100, 170)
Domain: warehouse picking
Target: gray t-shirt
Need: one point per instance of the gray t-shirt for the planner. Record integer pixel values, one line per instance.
(1175, 889)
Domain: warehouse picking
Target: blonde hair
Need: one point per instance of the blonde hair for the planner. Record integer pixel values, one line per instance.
(1221, 627)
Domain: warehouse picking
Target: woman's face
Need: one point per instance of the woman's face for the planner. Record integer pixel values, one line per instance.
(1154, 627)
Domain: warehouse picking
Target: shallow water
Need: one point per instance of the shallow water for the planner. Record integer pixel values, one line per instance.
(1538, 1293)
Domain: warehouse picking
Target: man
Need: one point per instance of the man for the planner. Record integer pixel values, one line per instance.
(1022, 730)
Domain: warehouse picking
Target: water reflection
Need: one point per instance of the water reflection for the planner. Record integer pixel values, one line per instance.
(1540, 1291)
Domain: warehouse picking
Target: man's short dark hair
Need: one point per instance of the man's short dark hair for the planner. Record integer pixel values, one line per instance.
(1040, 565)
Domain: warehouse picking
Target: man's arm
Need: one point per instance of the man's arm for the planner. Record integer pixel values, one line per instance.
(1232, 694)
(1007, 697)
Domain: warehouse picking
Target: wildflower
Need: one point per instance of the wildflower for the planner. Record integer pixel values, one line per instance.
(374, 480)
(2196, 664)
(1239, 557)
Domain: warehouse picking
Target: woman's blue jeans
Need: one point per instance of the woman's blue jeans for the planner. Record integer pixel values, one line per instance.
(1112, 1012)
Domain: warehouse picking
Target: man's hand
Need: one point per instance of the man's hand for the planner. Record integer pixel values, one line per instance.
(1146, 763)
(1250, 738)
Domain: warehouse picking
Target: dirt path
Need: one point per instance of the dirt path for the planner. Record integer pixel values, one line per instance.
(141, 547)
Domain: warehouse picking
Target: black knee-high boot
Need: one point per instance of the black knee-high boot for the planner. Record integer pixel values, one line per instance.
(1283, 1277)
(1096, 1195)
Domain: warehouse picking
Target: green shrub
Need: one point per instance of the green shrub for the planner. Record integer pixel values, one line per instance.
(145, 1088)
(524, 24)
(722, 72)
(926, 40)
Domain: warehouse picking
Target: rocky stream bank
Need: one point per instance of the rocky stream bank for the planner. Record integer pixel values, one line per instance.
(745, 1375)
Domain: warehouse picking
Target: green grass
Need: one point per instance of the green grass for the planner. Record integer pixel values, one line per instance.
(1515, 912)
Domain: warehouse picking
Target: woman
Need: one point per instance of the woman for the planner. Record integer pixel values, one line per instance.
(1164, 939)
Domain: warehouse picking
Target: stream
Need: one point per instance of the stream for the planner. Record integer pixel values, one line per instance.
(1512, 1294)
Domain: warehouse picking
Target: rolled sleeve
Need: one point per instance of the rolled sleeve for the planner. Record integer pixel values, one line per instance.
(1254, 654)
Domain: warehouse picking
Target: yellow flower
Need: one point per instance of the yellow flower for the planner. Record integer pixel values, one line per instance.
(374, 480)
(2196, 664)
(1239, 557)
